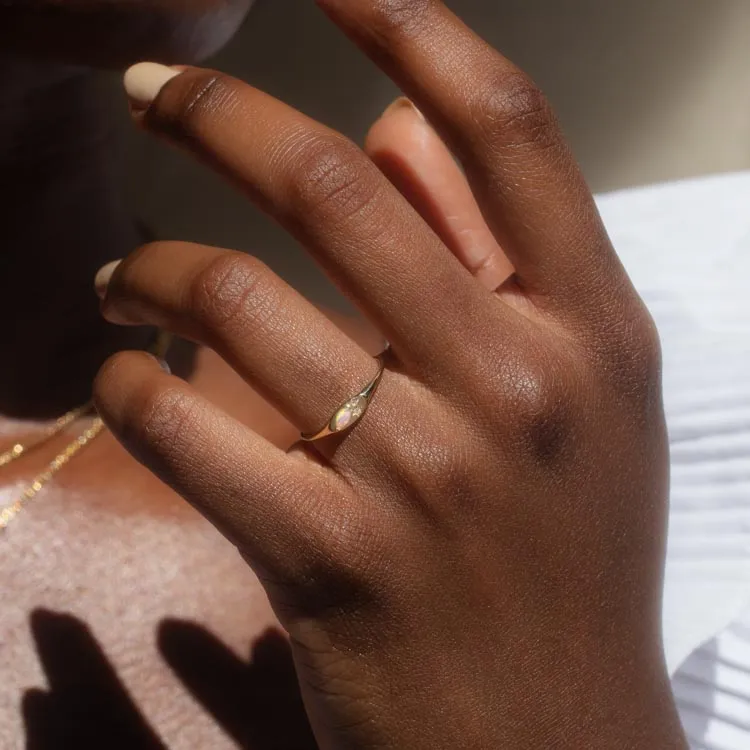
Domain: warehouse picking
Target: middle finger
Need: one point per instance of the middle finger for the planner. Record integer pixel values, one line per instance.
(326, 192)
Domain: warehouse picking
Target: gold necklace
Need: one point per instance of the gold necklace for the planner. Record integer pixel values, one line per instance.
(13, 509)
(9, 512)
(19, 449)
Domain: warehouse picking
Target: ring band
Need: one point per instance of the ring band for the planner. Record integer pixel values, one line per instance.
(349, 413)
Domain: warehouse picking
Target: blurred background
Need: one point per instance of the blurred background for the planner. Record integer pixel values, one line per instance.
(647, 91)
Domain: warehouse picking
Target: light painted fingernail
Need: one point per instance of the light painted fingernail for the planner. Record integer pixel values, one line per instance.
(403, 103)
(103, 275)
(144, 81)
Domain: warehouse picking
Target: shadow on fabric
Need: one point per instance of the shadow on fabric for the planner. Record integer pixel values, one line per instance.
(87, 707)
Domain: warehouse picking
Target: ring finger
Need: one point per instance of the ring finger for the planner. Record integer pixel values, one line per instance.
(290, 352)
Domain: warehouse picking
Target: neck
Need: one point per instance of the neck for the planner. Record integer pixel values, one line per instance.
(62, 218)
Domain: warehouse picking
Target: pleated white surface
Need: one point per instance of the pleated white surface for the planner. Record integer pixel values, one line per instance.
(687, 248)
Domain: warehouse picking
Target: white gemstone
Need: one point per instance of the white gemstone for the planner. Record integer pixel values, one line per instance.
(348, 414)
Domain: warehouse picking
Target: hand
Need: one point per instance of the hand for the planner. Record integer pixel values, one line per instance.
(477, 563)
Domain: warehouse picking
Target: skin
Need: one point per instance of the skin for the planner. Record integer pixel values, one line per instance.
(478, 562)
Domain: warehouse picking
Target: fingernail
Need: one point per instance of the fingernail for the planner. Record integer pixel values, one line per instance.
(164, 365)
(144, 81)
(103, 275)
(403, 103)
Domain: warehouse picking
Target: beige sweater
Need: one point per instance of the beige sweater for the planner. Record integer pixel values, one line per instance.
(139, 631)
(127, 621)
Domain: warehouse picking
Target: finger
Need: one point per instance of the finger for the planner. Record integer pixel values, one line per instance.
(264, 501)
(284, 347)
(330, 196)
(501, 127)
(414, 158)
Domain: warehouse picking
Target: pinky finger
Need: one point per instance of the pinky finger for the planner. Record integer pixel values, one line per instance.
(414, 158)
(264, 501)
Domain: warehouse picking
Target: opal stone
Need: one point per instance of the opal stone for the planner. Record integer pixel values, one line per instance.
(348, 414)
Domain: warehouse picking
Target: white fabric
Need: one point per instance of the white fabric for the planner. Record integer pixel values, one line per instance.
(687, 248)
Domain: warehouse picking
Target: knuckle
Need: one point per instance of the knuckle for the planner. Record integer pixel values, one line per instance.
(155, 421)
(332, 178)
(541, 399)
(205, 94)
(512, 112)
(435, 467)
(634, 354)
(125, 281)
(144, 251)
(390, 19)
(347, 555)
(645, 343)
(233, 290)
(356, 552)
(445, 470)
(648, 345)
(110, 375)
(166, 420)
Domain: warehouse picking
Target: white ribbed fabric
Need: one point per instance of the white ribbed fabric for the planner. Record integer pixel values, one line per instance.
(687, 248)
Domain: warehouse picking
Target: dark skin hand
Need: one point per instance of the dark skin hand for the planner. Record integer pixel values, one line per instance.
(478, 563)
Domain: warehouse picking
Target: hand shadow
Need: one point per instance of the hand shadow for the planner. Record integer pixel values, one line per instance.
(86, 706)
(257, 702)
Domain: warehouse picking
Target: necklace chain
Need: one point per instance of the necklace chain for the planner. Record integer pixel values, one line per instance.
(9, 513)
(19, 449)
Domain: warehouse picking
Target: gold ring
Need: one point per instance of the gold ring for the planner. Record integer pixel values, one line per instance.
(348, 414)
